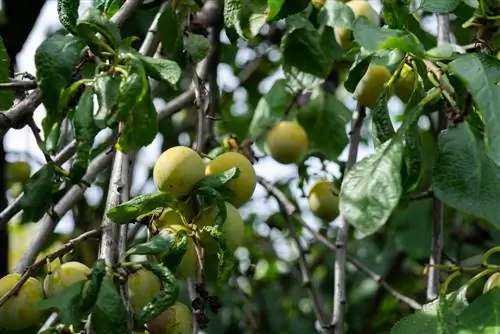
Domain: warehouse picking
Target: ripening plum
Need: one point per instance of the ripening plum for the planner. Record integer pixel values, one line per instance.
(62, 276)
(177, 170)
(322, 200)
(177, 319)
(20, 311)
(287, 142)
(243, 186)
(371, 85)
(143, 286)
(233, 228)
(403, 86)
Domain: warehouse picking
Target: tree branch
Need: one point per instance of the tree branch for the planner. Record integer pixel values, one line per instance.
(339, 295)
(437, 242)
(126, 11)
(66, 248)
(19, 85)
(150, 41)
(287, 209)
(50, 219)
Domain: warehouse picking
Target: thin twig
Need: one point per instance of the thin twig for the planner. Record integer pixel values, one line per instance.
(339, 295)
(437, 242)
(150, 41)
(126, 11)
(52, 318)
(361, 267)
(39, 141)
(287, 210)
(66, 248)
(50, 219)
(19, 114)
(19, 85)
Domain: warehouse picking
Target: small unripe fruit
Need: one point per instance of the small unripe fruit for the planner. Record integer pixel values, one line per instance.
(143, 286)
(177, 170)
(179, 215)
(322, 200)
(287, 142)
(188, 263)
(493, 281)
(20, 311)
(403, 86)
(63, 276)
(17, 171)
(371, 85)
(177, 319)
(233, 228)
(359, 8)
(244, 185)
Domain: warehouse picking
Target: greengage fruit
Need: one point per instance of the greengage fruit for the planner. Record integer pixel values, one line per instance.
(322, 200)
(177, 170)
(244, 185)
(287, 142)
(20, 311)
(62, 276)
(359, 8)
(177, 319)
(371, 85)
(403, 86)
(143, 286)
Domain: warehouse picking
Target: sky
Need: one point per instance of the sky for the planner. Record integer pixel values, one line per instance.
(23, 140)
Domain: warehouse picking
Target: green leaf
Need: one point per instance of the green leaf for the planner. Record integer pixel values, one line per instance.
(164, 70)
(482, 316)
(370, 36)
(337, 14)
(232, 13)
(218, 180)
(173, 257)
(141, 127)
(137, 206)
(94, 286)
(134, 89)
(356, 72)
(108, 7)
(159, 243)
(107, 89)
(465, 177)
(367, 202)
(271, 108)
(163, 300)
(38, 194)
(279, 9)
(68, 13)
(68, 303)
(413, 158)
(196, 46)
(382, 129)
(6, 95)
(55, 60)
(170, 32)
(439, 6)
(52, 130)
(85, 132)
(93, 23)
(406, 43)
(481, 74)
(308, 51)
(324, 113)
(109, 315)
(217, 197)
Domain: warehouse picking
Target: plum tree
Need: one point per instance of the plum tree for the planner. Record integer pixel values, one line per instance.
(177, 170)
(359, 8)
(142, 286)
(371, 85)
(287, 142)
(232, 228)
(322, 200)
(244, 185)
(20, 311)
(176, 319)
(62, 276)
(403, 86)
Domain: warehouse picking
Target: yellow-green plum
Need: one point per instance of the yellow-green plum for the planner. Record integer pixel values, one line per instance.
(287, 142)
(371, 85)
(62, 276)
(244, 185)
(177, 319)
(322, 200)
(20, 311)
(359, 8)
(177, 170)
(143, 286)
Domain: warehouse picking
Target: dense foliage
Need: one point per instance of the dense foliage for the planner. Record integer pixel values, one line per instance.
(401, 240)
